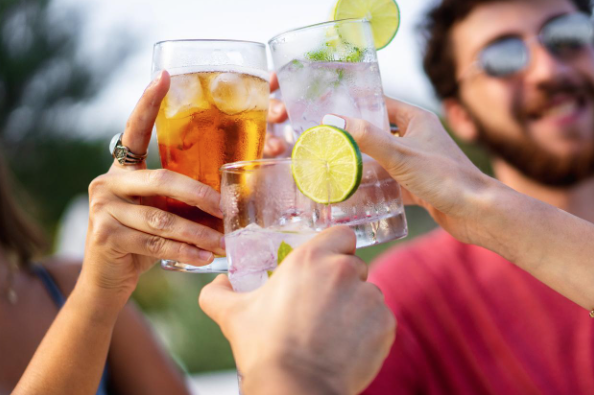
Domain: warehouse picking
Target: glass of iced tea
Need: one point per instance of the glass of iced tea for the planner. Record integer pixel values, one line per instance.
(214, 113)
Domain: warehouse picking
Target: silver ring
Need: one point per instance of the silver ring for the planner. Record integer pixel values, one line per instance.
(122, 154)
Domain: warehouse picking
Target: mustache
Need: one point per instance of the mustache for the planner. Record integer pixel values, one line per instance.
(528, 105)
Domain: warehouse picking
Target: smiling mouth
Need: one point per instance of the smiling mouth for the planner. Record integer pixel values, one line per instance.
(561, 108)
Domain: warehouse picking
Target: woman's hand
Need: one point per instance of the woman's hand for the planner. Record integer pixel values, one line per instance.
(128, 231)
(432, 170)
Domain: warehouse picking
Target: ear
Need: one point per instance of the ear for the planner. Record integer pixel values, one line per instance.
(460, 120)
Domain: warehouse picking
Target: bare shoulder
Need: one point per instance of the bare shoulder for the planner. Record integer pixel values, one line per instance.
(64, 271)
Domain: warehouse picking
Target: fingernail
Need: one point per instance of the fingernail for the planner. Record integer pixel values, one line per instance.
(333, 120)
(156, 80)
(205, 256)
(277, 108)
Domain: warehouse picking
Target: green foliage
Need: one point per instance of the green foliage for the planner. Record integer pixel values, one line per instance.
(59, 170)
(42, 75)
(170, 300)
(42, 72)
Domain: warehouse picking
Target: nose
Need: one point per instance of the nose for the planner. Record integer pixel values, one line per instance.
(545, 67)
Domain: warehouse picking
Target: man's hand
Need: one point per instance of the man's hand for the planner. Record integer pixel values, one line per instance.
(277, 113)
(315, 327)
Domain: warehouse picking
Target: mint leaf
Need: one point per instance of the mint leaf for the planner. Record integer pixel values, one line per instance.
(355, 56)
(321, 55)
(283, 250)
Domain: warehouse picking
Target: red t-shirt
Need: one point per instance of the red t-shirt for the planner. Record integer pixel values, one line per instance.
(470, 322)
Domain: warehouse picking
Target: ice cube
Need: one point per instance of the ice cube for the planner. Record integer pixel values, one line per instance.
(250, 249)
(185, 93)
(231, 93)
(248, 282)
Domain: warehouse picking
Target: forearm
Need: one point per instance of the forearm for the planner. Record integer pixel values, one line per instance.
(554, 246)
(72, 355)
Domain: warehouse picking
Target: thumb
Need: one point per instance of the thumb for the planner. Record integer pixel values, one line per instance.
(140, 124)
(217, 298)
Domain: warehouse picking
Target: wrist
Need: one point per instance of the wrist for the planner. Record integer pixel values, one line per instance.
(103, 303)
(489, 213)
(292, 378)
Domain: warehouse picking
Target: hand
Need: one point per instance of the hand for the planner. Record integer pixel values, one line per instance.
(316, 321)
(125, 237)
(432, 170)
(276, 114)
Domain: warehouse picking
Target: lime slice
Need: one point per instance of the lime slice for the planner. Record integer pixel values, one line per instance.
(283, 250)
(384, 16)
(327, 164)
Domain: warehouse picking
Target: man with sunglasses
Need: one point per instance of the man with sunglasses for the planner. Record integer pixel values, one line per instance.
(518, 77)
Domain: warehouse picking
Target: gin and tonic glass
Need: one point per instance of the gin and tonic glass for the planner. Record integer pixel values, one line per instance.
(266, 216)
(332, 68)
(214, 113)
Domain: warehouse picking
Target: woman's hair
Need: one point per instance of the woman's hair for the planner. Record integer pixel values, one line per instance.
(19, 236)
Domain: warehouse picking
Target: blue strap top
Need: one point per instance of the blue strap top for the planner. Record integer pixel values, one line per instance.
(59, 300)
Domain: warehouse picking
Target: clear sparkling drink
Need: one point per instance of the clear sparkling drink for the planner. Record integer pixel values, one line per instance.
(331, 68)
(253, 253)
(353, 89)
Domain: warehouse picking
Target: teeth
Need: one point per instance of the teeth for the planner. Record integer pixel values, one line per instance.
(562, 110)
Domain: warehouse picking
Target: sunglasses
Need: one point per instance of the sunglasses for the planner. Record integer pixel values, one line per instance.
(564, 37)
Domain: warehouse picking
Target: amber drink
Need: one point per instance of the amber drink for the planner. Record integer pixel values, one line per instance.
(214, 114)
(210, 118)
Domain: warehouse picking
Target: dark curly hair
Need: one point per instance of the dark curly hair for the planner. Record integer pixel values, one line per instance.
(438, 60)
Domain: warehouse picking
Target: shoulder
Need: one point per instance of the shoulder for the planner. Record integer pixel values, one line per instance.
(65, 272)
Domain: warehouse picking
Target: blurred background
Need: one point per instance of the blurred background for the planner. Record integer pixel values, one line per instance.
(71, 73)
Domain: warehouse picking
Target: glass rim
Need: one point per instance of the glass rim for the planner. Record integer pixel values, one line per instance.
(240, 167)
(211, 40)
(347, 20)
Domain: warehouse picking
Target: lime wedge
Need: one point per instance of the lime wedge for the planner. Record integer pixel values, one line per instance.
(283, 250)
(384, 16)
(327, 164)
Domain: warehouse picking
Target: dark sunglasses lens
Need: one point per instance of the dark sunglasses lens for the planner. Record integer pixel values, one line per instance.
(504, 57)
(567, 34)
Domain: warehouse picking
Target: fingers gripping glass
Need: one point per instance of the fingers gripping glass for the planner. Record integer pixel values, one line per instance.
(563, 37)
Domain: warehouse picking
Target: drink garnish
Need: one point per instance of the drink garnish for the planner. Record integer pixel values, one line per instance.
(283, 250)
(327, 164)
(383, 15)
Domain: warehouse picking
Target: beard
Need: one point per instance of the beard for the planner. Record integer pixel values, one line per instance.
(525, 154)
(535, 162)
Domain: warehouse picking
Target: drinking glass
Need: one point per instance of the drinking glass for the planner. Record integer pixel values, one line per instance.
(214, 113)
(266, 216)
(331, 68)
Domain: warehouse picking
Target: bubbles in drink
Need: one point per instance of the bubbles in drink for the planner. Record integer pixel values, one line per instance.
(210, 118)
(253, 252)
(313, 89)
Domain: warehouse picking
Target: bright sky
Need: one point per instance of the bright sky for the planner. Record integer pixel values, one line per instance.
(256, 20)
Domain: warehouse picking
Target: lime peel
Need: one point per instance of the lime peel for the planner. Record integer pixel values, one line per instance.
(327, 164)
(383, 15)
(283, 250)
